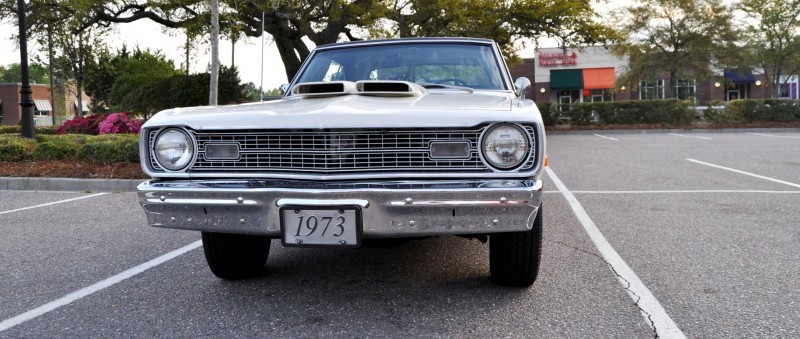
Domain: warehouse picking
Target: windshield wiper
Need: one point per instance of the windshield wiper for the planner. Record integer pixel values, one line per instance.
(429, 85)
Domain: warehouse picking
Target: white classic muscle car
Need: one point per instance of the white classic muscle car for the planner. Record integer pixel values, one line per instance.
(401, 138)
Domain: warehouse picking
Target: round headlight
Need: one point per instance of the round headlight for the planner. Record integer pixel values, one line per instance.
(505, 146)
(173, 149)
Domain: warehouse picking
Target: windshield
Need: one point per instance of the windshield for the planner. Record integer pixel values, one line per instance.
(467, 65)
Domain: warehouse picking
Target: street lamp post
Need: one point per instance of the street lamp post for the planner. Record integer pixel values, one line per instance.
(26, 100)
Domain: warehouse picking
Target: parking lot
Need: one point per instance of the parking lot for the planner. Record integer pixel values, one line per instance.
(646, 234)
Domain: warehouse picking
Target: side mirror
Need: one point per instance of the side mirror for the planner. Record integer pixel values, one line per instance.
(522, 84)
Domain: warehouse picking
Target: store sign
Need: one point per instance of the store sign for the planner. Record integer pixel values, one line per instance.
(555, 59)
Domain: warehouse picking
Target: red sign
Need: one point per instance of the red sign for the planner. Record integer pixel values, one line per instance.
(554, 59)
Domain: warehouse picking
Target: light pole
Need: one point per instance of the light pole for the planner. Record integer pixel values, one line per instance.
(26, 100)
(261, 86)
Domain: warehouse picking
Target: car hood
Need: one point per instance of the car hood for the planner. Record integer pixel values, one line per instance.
(434, 109)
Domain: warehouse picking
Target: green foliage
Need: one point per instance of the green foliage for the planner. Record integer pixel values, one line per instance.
(715, 112)
(677, 37)
(39, 74)
(16, 129)
(106, 149)
(771, 39)
(15, 148)
(769, 110)
(56, 150)
(126, 149)
(550, 114)
(183, 91)
(10, 129)
(137, 70)
(666, 112)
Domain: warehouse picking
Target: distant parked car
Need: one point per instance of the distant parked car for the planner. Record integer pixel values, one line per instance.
(401, 138)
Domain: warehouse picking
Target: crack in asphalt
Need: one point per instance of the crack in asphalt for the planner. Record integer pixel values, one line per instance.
(627, 286)
(625, 283)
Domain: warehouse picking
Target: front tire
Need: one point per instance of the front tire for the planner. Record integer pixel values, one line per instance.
(514, 257)
(235, 256)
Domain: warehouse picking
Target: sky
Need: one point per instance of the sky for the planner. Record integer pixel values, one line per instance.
(148, 34)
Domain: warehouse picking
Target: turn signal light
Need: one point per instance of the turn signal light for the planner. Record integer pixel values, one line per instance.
(546, 160)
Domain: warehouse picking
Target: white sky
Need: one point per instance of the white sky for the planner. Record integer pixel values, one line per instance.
(148, 34)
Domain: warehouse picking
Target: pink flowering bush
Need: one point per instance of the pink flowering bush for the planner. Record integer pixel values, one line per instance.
(82, 125)
(117, 123)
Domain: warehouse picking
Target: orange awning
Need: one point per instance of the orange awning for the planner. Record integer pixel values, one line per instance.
(598, 78)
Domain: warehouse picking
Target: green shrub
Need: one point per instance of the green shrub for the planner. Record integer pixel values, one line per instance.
(10, 129)
(46, 130)
(15, 148)
(16, 129)
(111, 148)
(715, 113)
(56, 150)
(767, 110)
(550, 114)
(666, 112)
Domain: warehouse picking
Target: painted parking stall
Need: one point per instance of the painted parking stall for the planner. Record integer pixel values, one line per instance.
(713, 241)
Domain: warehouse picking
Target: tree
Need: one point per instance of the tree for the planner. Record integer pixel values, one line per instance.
(772, 38)
(329, 21)
(39, 74)
(677, 37)
(182, 90)
(138, 68)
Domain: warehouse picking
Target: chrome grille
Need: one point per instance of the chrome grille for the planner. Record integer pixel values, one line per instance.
(340, 151)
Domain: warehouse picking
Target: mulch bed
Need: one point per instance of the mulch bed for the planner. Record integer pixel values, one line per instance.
(87, 170)
(701, 125)
(71, 169)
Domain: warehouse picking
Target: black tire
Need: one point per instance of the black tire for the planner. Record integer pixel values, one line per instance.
(514, 257)
(235, 256)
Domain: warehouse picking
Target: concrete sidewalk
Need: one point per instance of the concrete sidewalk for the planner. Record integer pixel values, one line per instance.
(69, 184)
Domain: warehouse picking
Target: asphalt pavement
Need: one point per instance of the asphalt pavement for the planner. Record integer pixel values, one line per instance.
(706, 222)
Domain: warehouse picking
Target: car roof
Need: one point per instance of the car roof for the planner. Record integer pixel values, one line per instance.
(404, 40)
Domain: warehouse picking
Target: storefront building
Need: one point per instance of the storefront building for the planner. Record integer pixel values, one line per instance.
(568, 76)
(65, 99)
(11, 111)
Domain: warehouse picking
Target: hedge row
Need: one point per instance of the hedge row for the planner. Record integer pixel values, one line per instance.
(666, 112)
(106, 149)
(16, 129)
(747, 111)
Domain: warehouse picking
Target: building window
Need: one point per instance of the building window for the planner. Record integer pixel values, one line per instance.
(686, 89)
(788, 90)
(599, 95)
(736, 92)
(651, 89)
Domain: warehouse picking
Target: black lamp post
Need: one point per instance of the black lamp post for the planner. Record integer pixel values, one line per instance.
(26, 100)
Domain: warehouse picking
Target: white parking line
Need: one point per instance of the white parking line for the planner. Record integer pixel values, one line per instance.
(689, 136)
(52, 203)
(746, 173)
(681, 192)
(99, 286)
(605, 137)
(651, 309)
(775, 136)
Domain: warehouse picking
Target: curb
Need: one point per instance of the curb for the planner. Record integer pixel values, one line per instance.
(675, 130)
(69, 184)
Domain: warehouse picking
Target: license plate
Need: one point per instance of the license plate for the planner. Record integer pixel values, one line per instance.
(321, 226)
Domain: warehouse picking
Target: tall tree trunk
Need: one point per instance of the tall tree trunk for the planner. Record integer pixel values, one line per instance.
(212, 93)
(50, 61)
(79, 76)
(188, 49)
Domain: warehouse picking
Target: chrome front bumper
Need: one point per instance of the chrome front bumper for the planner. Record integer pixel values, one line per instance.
(388, 208)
